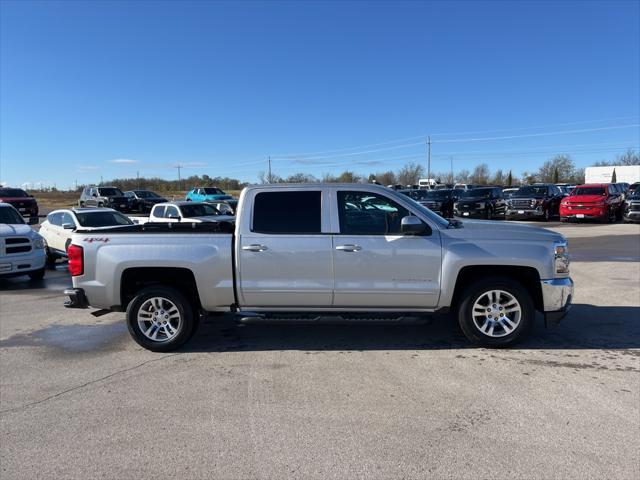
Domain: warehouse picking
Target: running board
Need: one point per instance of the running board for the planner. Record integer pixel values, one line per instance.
(329, 318)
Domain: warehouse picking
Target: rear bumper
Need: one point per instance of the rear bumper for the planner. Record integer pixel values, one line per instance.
(77, 298)
(557, 295)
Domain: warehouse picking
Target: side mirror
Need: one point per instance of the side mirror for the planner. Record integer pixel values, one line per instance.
(33, 220)
(68, 226)
(411, 225)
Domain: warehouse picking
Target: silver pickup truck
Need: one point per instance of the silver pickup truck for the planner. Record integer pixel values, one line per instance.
(336, 250)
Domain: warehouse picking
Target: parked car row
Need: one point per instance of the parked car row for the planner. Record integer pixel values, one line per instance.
(604, 202)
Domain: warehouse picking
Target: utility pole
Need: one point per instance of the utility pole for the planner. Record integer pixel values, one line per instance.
(269, 177)
(179, 179)
(76, 184)
(451, 160)
(429, 161)
(138, 178)
(100, 179)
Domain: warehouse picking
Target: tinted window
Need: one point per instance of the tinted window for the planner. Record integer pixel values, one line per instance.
(102, 219)
(55, 219)
(9, 216)
(287, 212)
(67, 218)
(12, 192)
(159, 211)
(212, 191)
(172, 212)
(363, 213)
(532, 190)
(198, 210)
(110, 192)
(588, 191)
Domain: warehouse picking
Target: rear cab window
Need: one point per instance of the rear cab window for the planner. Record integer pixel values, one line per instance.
(294, 212)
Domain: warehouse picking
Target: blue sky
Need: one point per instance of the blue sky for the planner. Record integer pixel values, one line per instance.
(90, 89)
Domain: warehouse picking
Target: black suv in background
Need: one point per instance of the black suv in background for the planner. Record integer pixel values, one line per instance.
(143, 200)
(111, 197)
(540, 200)
(438, 201)
(484, 202)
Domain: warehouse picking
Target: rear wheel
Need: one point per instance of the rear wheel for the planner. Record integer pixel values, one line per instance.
(495, 312)
(547, 215)
(160, 319)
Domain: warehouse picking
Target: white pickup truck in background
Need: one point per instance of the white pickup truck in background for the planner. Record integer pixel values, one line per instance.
(339, 250)
(183, 211)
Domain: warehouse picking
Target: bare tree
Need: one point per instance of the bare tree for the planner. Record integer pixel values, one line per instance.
(463, 176)
(410, 174)
(558, 169)
(480, 174)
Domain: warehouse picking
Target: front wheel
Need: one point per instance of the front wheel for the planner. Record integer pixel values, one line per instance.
(37, 275)
(160, 319)
(495, 312)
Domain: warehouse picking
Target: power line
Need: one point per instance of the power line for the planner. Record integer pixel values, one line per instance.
(406, 139)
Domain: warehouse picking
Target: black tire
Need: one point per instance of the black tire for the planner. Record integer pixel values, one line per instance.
(36, 275)
(619, 215)
(100, 205)
(80, 203)
(185, 329)
(474, 291)
(487, 214)
(51, 258)
(547, 215)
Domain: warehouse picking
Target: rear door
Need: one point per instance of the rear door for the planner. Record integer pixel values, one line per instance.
(283, 250)
(375, 265)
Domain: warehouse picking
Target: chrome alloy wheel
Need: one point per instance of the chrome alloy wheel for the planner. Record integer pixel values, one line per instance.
(159, 319)
(496, 313)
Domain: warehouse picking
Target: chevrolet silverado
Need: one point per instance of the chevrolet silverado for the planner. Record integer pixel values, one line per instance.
(323, 250)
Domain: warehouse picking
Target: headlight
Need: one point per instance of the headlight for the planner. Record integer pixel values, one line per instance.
(561, 257)
(39, 242)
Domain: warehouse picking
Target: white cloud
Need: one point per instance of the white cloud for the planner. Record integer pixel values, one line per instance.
(88, 168)
(123, 161)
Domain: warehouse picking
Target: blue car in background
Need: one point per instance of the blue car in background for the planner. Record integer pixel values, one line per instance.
(206, 194)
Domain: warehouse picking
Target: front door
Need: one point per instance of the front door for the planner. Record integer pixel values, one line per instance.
(284, 251)
(375, 265)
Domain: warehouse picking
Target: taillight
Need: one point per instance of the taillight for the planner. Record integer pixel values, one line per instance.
(75, 254)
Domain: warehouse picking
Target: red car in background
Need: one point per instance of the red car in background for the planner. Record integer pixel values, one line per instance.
(601, 201)
(21, 200)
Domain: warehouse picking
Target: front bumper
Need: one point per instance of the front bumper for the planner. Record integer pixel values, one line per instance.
(16, 265)
(77, 298)
(557, 295)
(632, 216)
(524, 213)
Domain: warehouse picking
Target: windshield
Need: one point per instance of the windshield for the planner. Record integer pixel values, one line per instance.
(10, 216)
(199, 210)
(110, 192)
(588, 191)
(440, 194)
(416, 194)
(146, 194)
(213, 191)
(477, 193)
(12, 192)
(102, 219)
(532, 191)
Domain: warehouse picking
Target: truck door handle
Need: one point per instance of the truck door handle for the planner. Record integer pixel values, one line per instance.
(349, 248)
(255, 248)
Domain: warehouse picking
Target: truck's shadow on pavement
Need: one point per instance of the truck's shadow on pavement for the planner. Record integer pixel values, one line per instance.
(586, 327)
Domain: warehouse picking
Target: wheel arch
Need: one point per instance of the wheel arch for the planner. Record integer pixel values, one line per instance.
(528, 277)
(135, 279)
